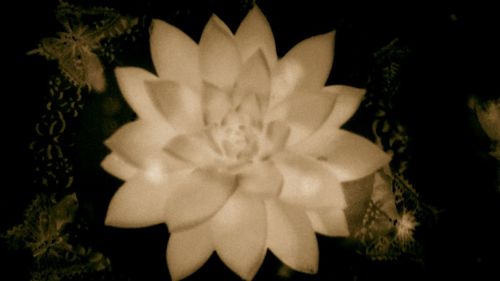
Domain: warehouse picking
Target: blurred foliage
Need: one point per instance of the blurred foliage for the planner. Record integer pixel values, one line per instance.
(387, 236)
(45, 232)
(87, 34)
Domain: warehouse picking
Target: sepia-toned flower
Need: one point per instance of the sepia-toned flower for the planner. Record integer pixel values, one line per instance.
(235, 150)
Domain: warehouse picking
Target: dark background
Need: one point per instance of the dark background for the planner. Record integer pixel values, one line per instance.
(454, 55)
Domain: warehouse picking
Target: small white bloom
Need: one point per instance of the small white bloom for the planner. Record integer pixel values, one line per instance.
(405, 227)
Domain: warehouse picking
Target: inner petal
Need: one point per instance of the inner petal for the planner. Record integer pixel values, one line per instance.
(197, 196)
(180, 105)
(274, 139)
(304, 111)
(262, 179)
(215, 103)
(308, 182)
(220, 61)
(196, 149)
(255, 79)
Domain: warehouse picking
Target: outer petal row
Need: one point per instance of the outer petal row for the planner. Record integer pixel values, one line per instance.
(291, 237)
(308, 182)
(139, 142)
(255, 33)
(138, 203)
(175, 55)
(305, 67)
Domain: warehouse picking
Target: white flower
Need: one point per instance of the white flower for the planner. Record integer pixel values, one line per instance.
(227, 146)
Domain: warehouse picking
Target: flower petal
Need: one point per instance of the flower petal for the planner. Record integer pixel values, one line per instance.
(347, 100)
(291, 237)
(255, 33)
(216, 104)
(138, 203)
(180, 105)
(308, 182)
(329, 222)
(188, 250)
(139, 141)
(351, 156)
(220, 60)
(175, 55)
(131, 81)
(195, 149)
(250, 107)
(305, 112)
(277, 133)
(305, 67)
(239, 233)
(254, 79)
(119, 168)
(196, 197)
(262, 179)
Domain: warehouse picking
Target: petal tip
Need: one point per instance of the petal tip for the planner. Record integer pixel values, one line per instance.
(220, 24)
(260, 55)
(112, 220)
(157, 28)
(329, 37)
(156, 23)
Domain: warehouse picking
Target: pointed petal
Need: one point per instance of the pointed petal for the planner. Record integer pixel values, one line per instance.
(329, 222)
(117, 167)
(291, 237)
(139, 141)
(308, 182)
(180, 105)
(347, 100)
(216, 104)
(196, 197)
(138, 203)
(277, 133)
(305, 112)
(254, 79)
(250, 107)
(239, 234)
(262, 179)
(188, 250)
(195, 149)
(131, 81)
(255, 33)
(175, 55)
(220, 61)
(305, 67)
(353, 157)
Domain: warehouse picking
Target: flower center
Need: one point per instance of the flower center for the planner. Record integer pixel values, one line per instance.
(236, 138)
